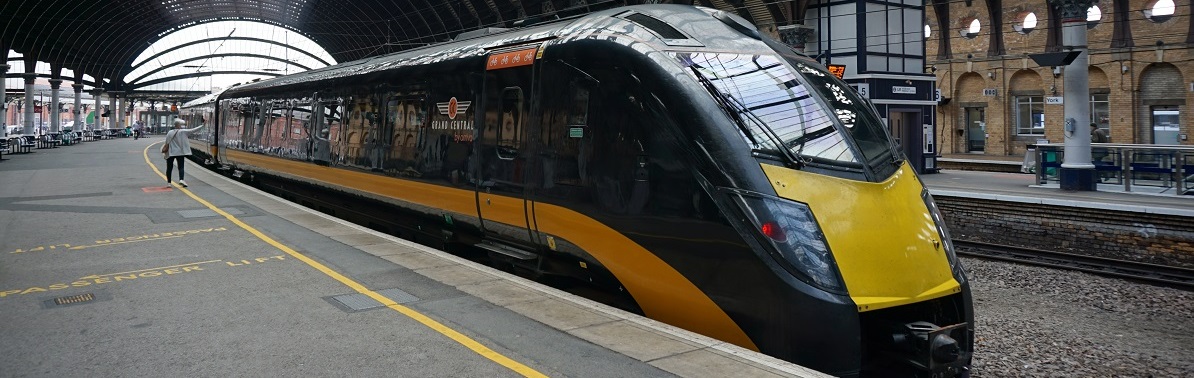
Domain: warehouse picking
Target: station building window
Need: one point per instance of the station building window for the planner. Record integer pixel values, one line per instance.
(1166, 122)
(972, 29)
(1159, 10)
(1030, 115)
(1100, 111)
(1026, 23)
(1093, 16)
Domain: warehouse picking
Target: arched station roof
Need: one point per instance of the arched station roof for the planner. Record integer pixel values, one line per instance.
(103, 38)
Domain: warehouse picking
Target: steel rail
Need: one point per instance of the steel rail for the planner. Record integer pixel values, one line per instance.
(1171, 276)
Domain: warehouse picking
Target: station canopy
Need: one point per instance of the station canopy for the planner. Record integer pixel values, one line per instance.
(194, 46)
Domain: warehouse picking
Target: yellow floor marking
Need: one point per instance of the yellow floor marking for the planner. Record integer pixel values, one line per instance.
(466, 341)
(78, 247)
(94, 276)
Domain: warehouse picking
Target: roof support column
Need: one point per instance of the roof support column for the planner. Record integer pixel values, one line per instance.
(112, 110)
(97, 123)
(3, 100)
(120, 101)
(78, 110)
(153, 116)
(1077, 171)
(55, 115)
(30, 127)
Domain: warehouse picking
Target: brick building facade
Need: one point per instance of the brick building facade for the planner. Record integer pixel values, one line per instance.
(996, 99)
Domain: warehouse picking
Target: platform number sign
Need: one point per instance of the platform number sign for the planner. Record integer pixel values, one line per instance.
(863, 89)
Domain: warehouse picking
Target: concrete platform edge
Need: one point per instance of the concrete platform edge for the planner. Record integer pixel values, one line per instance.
(1060, 202)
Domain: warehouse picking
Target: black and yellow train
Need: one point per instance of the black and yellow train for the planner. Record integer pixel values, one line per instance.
(725, 183)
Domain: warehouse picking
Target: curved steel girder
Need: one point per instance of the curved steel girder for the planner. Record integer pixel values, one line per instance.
(47, 76)
(101, 38)
(209, 56)
(201, 74)
(205, 40)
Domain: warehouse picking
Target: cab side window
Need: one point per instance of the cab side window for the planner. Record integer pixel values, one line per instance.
(566, 136)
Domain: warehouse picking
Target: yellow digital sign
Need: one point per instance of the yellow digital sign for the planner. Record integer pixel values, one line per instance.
(838, 70)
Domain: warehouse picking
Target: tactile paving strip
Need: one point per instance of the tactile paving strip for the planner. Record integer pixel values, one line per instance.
(360, 302)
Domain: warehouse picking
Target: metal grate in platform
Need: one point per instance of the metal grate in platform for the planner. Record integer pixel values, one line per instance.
(358, 302)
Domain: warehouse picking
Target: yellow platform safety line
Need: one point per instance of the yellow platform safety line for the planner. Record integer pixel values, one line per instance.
(466, 341)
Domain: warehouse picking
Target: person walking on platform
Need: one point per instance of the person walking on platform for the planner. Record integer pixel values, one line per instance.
(177, 148)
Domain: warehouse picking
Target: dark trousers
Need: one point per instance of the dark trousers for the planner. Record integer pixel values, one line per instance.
(181, 167)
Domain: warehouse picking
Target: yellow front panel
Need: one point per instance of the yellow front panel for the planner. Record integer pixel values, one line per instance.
(881, 235)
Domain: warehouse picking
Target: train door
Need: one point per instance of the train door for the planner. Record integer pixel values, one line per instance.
(502, 156)
(223, 117)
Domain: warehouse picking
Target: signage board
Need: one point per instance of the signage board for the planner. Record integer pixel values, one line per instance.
(838, 70)
(1054, 100)
(903, 90)
(863, 89)
(990, 92)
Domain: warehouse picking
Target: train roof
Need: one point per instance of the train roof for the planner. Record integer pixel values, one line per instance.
(205, 99)
(664, 26)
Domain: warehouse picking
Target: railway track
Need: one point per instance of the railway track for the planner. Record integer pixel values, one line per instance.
(1176, 277)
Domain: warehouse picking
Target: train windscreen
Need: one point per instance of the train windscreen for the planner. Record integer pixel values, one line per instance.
(778, 110)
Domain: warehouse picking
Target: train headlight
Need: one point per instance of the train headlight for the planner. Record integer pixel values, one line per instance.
(795, 239)
(946, 241)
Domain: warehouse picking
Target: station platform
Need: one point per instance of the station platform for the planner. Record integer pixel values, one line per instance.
(1022, 188)
(105, 271)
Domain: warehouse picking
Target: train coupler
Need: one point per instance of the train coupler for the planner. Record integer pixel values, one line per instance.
(931, 349)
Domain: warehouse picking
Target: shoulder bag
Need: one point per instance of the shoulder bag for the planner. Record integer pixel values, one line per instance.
(166, 146)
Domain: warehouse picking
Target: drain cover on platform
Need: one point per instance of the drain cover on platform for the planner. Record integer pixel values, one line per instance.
(72, 300)
(361, 302)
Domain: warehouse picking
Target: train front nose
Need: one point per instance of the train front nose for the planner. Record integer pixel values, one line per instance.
(896, 261)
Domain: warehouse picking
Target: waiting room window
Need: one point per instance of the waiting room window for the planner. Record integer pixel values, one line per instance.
(1030, 115)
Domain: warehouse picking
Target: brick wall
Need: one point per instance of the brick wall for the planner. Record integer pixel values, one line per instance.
(1158, 239)
(1117, 72)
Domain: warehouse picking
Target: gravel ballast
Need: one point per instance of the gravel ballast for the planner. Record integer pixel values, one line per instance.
(1043, 322)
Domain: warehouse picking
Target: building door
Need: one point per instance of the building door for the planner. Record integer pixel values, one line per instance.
(905, 127)
(1166, 123)
(976, 130)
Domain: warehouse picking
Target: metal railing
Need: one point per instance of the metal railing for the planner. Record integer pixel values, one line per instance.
(1159, 167)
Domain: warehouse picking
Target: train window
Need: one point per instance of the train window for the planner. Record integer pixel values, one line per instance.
(578, 114)
(854, 113)
(776, 109)
(509, 126)
(404, 118)
(330, 130)
(565, 135)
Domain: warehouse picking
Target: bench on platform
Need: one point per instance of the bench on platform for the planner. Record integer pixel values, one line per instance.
(23, 144)
(48, 141)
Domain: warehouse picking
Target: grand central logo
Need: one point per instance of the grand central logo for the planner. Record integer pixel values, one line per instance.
(452, 109)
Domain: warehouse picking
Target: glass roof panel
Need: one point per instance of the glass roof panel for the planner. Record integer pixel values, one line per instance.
(180, 53)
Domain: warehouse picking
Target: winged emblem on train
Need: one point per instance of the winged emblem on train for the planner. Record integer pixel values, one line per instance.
(453, 108)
